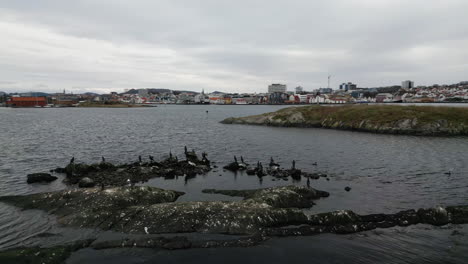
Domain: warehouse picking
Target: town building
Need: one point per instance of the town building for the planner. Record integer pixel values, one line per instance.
(299, 89)
(325, 90)
(277, 88)
(277, 98)
(407, 84)
(29, 101)
(348, 86)
(384, 98)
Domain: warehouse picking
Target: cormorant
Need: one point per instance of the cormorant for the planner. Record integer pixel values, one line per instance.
(72, 160)
(272, 163)
(293, 164)
(103, 159)
(139, 158)
(151, 158)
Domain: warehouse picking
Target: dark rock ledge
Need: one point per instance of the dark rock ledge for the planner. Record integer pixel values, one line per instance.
(106, 174)
(263, 213)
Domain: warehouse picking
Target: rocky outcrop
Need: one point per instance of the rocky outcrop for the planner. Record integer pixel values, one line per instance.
(280, 197)
(92, 201)
(86, 183)
(179, 242)
(345, 222)
(52, 255)
(108, 174)
(150, 210)
(262, 213)
(410, 120)
(269, 211)
(40, 177)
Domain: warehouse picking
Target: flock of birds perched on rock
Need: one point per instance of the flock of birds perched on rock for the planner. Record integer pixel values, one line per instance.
(274, 169)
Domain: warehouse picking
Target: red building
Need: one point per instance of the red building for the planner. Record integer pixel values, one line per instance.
(27, 101)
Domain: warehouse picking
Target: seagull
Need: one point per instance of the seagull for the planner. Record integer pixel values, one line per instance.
(146, 230)
(192, 164)
(129, 182)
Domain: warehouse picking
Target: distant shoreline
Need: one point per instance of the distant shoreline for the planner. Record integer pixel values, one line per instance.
(445, 104)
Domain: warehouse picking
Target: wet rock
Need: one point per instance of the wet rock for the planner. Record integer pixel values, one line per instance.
(52, 255)
(262, 212)
(108, 174)
(301, 230)
(458, 214)
(233, 166)
(91, 200)
(86, 183)
(347, 188)
(405, 218)
(295, 174)
(148, 210)
(435, 216)
(245, 217)
(40, 177)
(179, 242)
(280, 197)
(171, 243)
(342, 217)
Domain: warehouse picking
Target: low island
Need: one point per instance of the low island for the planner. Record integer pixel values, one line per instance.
(388, 119)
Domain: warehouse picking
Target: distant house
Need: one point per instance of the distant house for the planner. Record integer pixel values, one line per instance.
(29, 101)
(383, 97)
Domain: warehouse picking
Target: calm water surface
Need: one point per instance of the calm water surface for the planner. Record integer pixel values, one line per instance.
(387, 173)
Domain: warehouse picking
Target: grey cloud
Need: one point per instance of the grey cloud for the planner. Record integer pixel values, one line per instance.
(230, 45)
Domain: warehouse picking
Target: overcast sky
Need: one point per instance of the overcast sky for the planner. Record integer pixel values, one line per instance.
(233, 46)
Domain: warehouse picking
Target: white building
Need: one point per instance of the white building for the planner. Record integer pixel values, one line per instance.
(277, 88)
(407, 84)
